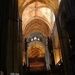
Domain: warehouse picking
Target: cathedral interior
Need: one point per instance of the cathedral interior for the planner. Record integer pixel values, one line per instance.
(37, 37)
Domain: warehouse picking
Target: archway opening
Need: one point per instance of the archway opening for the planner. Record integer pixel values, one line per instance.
(36, 56)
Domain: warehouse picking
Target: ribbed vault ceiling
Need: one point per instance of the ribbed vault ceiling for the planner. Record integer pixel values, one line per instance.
(38, 26)
(52, 4)
(36, 50)
(44, 10)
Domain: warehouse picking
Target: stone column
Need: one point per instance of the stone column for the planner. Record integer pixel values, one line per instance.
(50, 46)
(47, 58)
(14, 41)
(70, 28)
(10, 52)
(19, 45)
(3, 34)
(26, 52)
(63, 38)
